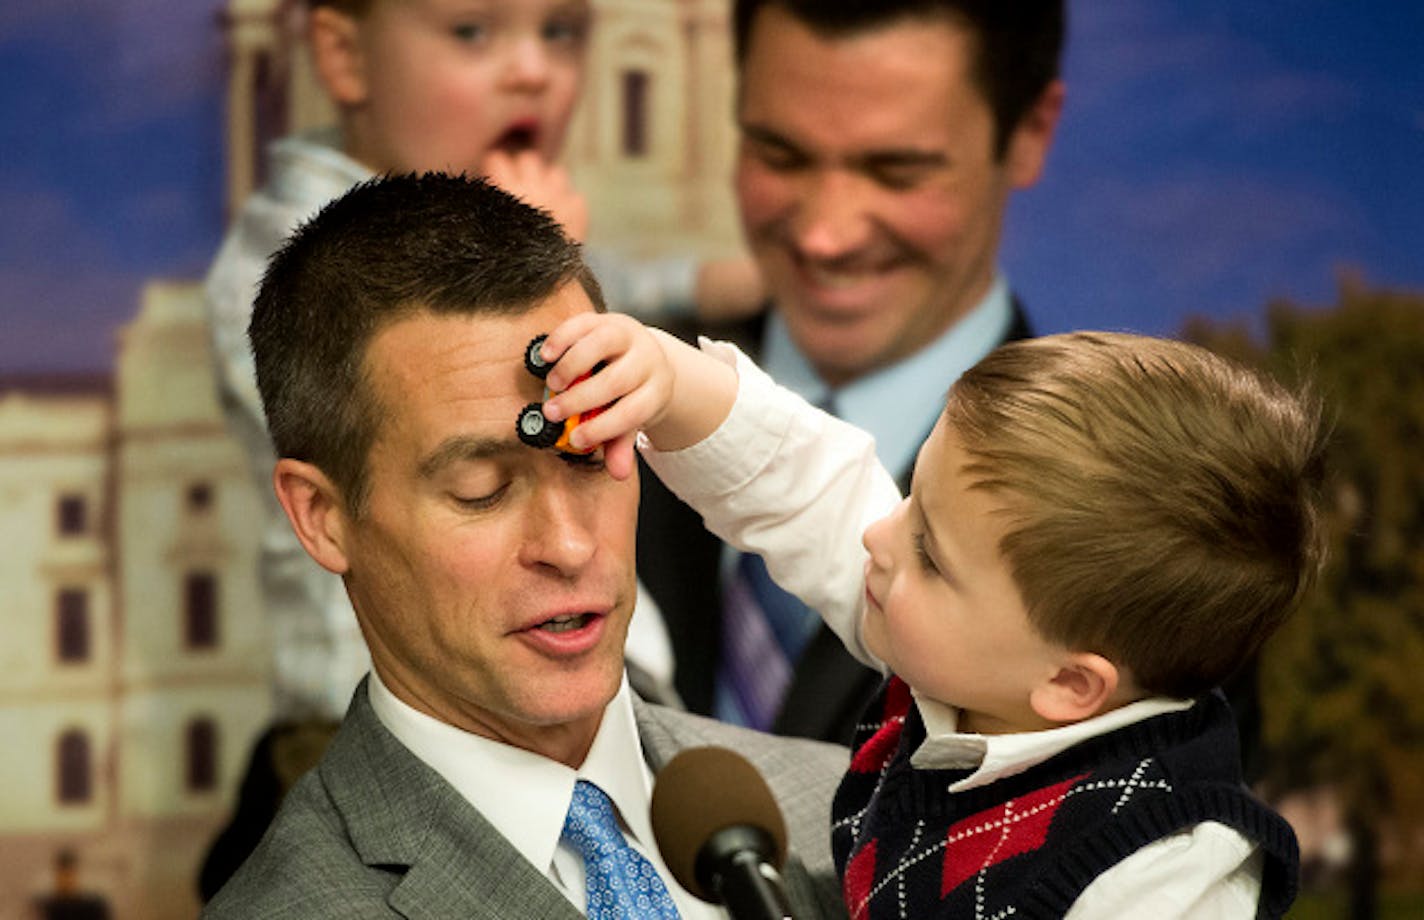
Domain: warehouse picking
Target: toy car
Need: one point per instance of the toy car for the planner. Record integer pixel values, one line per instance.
(536, 430)
(533, 361)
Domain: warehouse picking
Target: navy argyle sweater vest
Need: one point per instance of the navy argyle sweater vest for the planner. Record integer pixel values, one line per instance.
(1027, 845)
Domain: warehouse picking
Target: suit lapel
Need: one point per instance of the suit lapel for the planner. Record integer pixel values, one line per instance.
(405, 819)
(474, 872)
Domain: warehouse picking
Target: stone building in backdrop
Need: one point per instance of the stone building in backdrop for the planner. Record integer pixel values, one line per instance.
(136, 659)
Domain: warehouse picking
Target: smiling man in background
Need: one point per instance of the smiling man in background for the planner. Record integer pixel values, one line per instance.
(879, 146)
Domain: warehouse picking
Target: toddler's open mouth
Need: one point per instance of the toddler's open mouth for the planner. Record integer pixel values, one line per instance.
(518, 137)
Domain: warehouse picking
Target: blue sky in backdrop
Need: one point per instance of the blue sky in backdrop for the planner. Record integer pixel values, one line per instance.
(1213, 155)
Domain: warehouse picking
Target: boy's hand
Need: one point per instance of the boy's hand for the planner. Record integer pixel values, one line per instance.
(650, 381)
(634, 386)
(528, 176)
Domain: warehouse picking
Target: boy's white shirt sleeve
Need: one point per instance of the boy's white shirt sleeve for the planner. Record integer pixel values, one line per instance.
(785, 480)
(1207, 872)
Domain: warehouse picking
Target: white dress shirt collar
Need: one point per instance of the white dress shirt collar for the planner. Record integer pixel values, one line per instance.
(993, 757)
(529, 812)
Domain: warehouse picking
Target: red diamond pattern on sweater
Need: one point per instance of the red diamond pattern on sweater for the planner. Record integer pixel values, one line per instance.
(878, 749)
(999, 833)
(859, 877)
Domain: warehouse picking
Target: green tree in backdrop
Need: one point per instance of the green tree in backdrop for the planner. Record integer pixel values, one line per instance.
(1343, 682)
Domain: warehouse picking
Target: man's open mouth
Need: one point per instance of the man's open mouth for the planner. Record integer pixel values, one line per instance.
(566, 623)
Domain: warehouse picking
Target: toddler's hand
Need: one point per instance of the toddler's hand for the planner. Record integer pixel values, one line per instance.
(528, 176)
(634, 386)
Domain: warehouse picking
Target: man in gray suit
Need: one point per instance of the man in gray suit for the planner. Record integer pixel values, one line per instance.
(493, 582)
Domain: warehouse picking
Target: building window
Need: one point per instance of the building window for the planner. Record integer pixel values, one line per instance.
(75, 772)
(635, 113)
(202, 755)
(200, 610)
(72, 515)
(72, 625)
(199, 497)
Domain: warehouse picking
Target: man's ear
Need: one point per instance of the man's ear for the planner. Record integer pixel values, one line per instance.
(1084, 685)
(1033, 136)
(316, 510)
(340, 62)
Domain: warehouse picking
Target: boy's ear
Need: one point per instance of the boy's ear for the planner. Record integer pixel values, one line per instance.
(318, 515)
(1084, 685)
(335, 41)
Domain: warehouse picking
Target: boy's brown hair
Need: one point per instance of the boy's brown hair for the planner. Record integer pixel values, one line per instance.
(1162, 502)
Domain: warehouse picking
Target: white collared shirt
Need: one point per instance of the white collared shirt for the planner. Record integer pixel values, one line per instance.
(526, 796)
(789, 482)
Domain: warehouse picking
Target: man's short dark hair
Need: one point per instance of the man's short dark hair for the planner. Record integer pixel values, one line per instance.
(1018, 43)
(387, 249)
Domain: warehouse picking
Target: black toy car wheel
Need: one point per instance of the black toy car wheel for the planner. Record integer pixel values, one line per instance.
(536, 430)
(533, 362)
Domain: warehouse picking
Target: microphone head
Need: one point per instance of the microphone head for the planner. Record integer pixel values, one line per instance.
(705, 790)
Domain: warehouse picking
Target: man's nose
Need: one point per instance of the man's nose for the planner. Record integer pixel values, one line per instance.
(559, 532)
(830, 221)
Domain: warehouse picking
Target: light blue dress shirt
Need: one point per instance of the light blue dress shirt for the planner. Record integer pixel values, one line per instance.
(899, 404)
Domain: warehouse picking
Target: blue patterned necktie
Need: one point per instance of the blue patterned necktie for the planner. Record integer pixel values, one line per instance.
(764, 630)
(621, 883)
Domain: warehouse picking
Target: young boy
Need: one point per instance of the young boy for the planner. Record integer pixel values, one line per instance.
(1100, 529)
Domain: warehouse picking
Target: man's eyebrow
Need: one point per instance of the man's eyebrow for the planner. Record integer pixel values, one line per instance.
(466, 448)
(764, 135)
(901, 158)
(870, 160)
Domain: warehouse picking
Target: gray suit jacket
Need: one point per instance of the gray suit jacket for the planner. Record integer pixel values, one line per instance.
(374, 832)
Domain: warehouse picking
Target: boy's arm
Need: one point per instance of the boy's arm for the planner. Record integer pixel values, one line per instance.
(769, 473)
(1208, 870)
(793, 484)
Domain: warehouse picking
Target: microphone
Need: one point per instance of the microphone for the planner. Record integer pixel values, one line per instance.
(721, 833)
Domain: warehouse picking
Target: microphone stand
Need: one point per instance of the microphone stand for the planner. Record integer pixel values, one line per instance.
(733, 864)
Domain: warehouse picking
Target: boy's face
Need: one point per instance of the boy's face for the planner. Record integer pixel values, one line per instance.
(942, 608)
(439, 84)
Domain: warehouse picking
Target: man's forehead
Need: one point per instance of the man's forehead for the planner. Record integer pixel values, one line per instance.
(451, 384)
(887, 88)
(423, 343)
(773, 29)
(492, 340)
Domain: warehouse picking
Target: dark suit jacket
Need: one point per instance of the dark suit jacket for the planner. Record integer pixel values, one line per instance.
(678, 562)
(374, 832)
